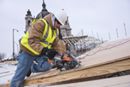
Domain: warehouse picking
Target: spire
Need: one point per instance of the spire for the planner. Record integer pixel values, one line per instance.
(43, 5)
(28, 13)
(28, 19)
(43, 12)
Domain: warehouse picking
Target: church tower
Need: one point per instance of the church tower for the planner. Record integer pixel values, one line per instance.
(28, 19)
(65, 29)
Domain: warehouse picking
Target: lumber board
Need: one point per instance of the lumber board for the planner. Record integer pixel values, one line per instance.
(122, 81)
(84, 73)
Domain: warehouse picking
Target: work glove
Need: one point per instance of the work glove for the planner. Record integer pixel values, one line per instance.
(50, 53)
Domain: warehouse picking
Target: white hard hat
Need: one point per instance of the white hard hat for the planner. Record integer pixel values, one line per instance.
(61, 17)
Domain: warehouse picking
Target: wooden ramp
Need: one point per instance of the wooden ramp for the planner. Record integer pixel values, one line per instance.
(105, 60)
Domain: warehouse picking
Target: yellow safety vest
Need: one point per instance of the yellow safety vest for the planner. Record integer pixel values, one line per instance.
(46, 41)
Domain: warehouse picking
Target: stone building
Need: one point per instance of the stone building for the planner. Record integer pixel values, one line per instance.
(66, 29)
(28, 20)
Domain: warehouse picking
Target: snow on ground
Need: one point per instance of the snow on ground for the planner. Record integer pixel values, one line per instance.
(6, 72)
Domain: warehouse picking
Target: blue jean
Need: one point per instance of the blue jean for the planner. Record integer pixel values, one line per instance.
(25, 63)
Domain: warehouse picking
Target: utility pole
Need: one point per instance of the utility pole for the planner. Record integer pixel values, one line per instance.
(97, 35)
(92, 33)
(102, 39)
(82, 32)
(13, 54)
(117, 33)
(125, 30)
(109, 36)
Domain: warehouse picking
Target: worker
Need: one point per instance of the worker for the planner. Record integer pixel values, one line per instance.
(38, 46)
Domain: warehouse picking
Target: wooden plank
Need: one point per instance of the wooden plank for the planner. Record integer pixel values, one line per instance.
(122, 81)
(83, 73)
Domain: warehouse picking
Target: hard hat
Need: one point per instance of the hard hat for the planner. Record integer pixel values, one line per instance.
(61, 17)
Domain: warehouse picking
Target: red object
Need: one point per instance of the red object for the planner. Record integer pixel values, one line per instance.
(67, 59)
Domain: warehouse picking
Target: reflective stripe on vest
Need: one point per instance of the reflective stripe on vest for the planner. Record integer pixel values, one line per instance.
(49, 36)
(47, 39)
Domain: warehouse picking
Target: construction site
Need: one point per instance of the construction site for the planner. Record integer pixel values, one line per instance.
(101, 63)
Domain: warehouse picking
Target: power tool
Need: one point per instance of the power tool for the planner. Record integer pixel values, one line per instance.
(67, 62)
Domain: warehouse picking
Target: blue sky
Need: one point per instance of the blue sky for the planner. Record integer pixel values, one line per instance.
(92, 16)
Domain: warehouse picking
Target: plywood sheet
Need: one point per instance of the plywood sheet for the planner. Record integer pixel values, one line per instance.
(107, 52)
